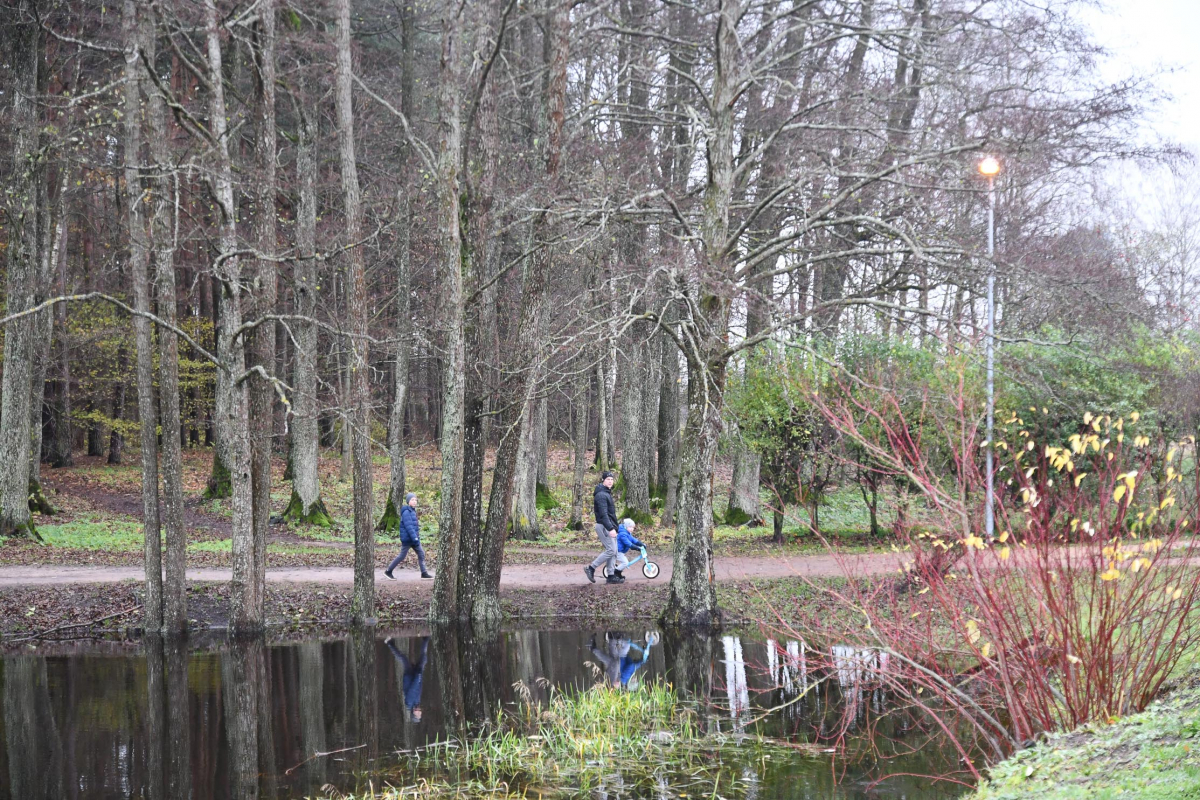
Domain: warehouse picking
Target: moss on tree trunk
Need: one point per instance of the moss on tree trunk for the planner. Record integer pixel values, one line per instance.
(219, 482)
(315, 514)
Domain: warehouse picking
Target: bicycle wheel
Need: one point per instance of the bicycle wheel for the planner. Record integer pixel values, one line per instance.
(605, 571)
(650, 570)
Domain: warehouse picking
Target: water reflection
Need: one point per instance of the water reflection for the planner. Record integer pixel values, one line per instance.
(248, 720)
(620, 659)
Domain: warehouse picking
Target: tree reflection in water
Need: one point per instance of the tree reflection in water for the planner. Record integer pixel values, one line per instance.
(241, 719)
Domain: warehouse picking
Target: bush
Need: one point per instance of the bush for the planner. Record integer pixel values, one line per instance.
(1080, 610)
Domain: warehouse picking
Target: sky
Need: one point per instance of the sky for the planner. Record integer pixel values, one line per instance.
(1147, 35)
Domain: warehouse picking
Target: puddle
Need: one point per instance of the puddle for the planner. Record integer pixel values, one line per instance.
(244, 721)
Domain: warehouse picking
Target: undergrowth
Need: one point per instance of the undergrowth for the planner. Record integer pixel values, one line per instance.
(646, 740)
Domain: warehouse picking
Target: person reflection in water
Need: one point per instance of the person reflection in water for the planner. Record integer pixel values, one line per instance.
(620, 665)
(410, 676)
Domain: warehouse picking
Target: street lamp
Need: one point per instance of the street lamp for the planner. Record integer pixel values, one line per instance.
(989, 167)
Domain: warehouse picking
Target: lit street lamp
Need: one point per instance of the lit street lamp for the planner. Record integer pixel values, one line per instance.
(989, 167)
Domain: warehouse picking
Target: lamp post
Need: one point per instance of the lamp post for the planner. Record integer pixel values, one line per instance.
(989, 167)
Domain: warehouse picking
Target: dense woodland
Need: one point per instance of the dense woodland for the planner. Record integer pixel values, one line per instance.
(269, 228)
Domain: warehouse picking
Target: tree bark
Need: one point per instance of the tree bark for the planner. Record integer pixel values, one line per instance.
(116, 440)
(233, 423)
(139, 268)
(266, 288)
(603, 437)
(480, 257)
(668, 431)
(579, 440)
(306, 505)
(22, 263)
(692, 600)
(163, 250)
(53, 243)
(362, 607)
(445, 604)
(525, 519)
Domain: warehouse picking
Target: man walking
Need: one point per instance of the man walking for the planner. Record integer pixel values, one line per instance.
(606, 529)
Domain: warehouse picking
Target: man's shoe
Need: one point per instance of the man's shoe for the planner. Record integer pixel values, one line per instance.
(590, 571)
(388, 572)
(426, 575)
(615, 579)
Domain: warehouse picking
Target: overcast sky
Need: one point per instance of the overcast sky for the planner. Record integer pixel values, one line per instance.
(1146, 35)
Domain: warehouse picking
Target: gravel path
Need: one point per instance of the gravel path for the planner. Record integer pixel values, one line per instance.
(522, 576)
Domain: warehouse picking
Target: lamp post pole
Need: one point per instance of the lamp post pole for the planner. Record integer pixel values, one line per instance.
(989, 167)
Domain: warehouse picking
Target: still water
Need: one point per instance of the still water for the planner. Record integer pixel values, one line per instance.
(169, 722)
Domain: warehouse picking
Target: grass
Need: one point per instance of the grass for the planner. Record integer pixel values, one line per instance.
(124, 536)
(572, 744)
(1154, 755)
(92, 533)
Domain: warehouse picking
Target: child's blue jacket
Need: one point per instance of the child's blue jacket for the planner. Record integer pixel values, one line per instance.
(626, 540)
(410, 528)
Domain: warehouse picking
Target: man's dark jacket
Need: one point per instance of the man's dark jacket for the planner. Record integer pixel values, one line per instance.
(605, 507)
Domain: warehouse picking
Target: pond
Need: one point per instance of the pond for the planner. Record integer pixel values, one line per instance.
(245, 720)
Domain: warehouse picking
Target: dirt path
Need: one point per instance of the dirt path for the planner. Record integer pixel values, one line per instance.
(517, 576)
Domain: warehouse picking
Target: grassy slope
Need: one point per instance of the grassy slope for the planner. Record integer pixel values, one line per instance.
(1154, 755)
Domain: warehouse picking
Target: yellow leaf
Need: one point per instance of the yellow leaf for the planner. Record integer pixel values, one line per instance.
(1134, 417)
(1118, 493)
(972, 631)
(986, 650)
(1003, 537)
(1005, 552)
(1171, 453)
(1079, 478)
(1110, 574)
(1087, 418)
(1074, 659)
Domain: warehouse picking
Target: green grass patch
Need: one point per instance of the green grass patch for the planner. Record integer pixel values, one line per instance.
(90, 533)
(1154, 755)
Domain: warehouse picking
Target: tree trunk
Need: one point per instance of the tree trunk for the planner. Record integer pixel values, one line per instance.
(232, 423)
(525, 519)
(668, 431)
(266, 289)
(445, 603)
(480, 258)
(22, 264)
(306, 505)
(163, 247)
(362, 607)
(743, 491)
(54, 241)
(484, 603)
(390, 521)
(602, 435)
(116, 440)
(579, 440)
(139, 268)
(692, 600)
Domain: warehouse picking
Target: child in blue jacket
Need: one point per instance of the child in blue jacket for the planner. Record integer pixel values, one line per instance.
(625, 541)
(410, 537)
